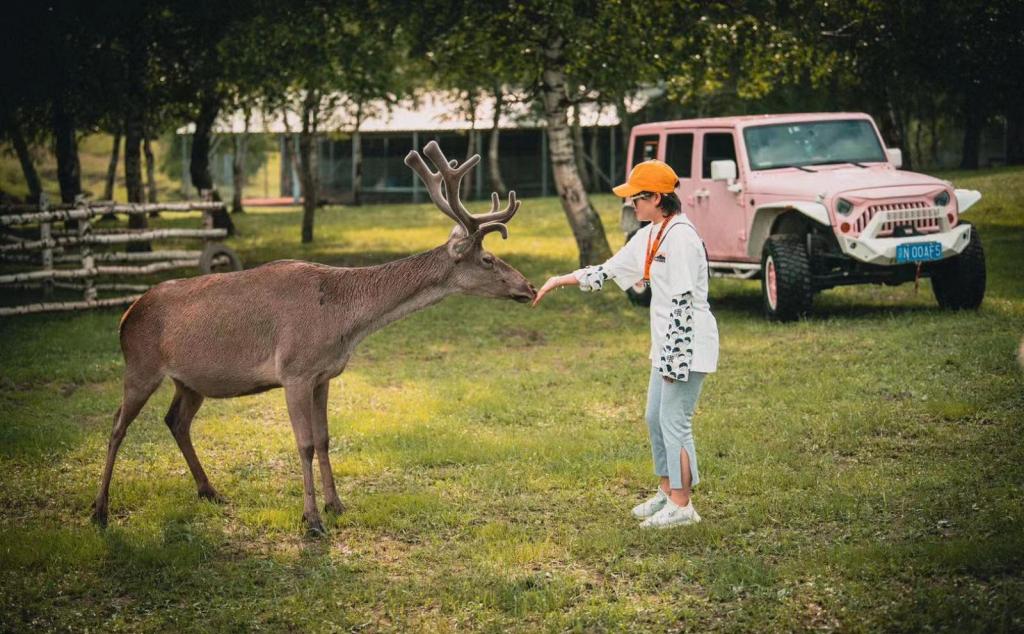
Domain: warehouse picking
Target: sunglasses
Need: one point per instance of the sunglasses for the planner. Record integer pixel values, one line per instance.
(644, 196)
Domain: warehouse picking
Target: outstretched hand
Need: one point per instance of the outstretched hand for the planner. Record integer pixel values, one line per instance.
(552, 284)
(549, 285)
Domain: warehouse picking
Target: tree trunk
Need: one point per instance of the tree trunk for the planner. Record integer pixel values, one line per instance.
(133, 174)
(594, 171)
(1015, 136)
(895, 133)
(287, 187)
(467, 180)
(357, 159)
(904, 128)
(292, 165)
(69, 171)
(307, 163)
(934, 129)
(150, 166)
(237, 173)
(238, 167)
(133, 164)
(577, 147)
(199, 167)
(918, 129)
(584, 221)
(115, 151)
(28, 168)
(973, 121)
(624, 129)
(493, 165)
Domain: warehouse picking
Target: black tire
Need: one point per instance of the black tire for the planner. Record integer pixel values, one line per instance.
(784, 258)
(638, 298)
(217, 258)
(959, 282)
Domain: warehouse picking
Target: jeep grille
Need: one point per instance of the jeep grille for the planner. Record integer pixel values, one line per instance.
(919, 215)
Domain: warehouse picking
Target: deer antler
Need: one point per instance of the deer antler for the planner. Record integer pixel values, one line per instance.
(505, 214)
(451, 173)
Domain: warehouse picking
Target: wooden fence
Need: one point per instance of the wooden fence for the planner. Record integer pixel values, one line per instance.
(31, 243)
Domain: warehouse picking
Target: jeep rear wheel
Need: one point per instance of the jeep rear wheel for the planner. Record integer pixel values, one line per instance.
(786, 289)
(959, 282)
(217, 258)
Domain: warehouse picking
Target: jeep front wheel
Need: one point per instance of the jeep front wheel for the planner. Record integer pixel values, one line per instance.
(786, 288)
(959, 282)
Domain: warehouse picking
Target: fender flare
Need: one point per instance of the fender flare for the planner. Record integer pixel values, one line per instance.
(765, 215)
(965, 198)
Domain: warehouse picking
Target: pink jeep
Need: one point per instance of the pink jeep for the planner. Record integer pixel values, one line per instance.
(812, 201)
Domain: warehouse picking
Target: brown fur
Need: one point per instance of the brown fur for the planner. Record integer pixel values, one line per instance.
(287, 324)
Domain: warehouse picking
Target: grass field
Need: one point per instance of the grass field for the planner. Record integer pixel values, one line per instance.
(862, 470)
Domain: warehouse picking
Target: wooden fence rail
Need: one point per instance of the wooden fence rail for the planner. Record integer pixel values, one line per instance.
(82, 213)
(28, 238)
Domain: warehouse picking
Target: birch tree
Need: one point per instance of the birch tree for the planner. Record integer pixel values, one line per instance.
(561, 49)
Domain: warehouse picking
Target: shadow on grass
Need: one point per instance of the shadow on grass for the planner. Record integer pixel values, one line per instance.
(748, 303)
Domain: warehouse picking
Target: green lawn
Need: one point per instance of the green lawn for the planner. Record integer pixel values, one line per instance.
(861, 470)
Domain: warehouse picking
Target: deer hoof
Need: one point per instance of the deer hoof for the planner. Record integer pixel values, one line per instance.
(99, 519)
(315, 528)
(209, 493)
(334, 506)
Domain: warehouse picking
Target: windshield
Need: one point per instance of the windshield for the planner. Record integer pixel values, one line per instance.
(812, 143)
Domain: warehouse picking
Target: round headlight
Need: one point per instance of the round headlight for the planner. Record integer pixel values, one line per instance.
(844, 207)
(942, 199)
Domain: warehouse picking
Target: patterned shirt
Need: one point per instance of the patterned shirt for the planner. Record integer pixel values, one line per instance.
(684, 333)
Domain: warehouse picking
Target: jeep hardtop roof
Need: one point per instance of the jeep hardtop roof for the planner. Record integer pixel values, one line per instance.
(745, 121)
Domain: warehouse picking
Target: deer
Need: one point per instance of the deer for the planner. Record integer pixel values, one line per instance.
(294, 324)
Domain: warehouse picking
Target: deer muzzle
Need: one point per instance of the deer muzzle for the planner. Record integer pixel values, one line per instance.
(524, 295)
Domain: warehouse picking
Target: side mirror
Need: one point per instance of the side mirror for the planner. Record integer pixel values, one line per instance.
(895, 156)
(723, 170)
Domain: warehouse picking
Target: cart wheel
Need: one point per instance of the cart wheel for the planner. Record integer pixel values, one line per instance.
(217, 258)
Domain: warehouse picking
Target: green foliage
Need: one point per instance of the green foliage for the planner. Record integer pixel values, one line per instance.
(256, 149)
(861, 470)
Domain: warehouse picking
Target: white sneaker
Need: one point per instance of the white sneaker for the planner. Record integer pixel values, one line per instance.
(651, 506)
(672, 514)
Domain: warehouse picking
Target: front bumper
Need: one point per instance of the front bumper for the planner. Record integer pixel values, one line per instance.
(882, 251)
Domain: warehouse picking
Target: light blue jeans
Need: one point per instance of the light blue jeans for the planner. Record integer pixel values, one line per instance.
(670, 408)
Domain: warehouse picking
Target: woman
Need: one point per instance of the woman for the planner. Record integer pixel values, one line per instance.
(668, 255)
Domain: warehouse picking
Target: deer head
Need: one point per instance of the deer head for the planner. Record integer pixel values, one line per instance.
(476, 272)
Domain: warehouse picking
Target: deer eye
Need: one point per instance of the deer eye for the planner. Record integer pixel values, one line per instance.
(487, 260)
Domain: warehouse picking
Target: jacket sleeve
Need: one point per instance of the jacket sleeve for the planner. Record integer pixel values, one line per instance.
(677, 349)
(624, 267)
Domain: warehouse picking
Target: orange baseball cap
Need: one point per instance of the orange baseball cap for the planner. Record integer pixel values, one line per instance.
(649, 176)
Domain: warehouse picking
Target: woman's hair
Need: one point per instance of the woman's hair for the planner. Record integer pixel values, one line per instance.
(669, 204)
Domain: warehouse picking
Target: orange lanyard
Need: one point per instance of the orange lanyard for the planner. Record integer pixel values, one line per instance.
(652, 251)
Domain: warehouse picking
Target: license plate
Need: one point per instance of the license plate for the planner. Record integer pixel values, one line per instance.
(918, 252)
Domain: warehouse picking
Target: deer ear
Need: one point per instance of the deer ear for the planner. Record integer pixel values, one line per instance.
(459, 242)
(458, 231)
(459, 247)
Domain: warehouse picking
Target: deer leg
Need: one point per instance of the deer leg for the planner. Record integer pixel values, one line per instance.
(179, 420)
(300, 409)
(136, 393)
(321, 440)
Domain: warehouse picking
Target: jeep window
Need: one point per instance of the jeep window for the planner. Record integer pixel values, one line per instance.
(812, 143)
(679, 153)
(718, 146)
(645, 148)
